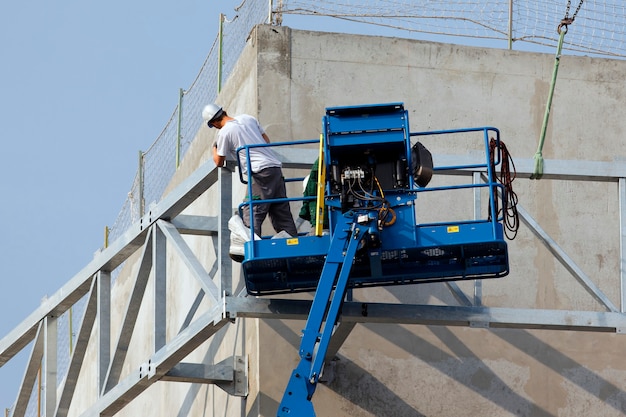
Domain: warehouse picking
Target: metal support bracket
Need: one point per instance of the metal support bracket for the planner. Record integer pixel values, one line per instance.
(146, 370)
(231, 375)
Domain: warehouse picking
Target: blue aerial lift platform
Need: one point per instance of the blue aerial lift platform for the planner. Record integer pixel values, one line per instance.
(370, 178)
(371, 169)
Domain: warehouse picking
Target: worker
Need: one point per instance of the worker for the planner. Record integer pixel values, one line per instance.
(267, 176)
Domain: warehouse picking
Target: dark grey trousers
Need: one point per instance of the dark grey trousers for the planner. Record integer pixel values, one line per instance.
(269, 184)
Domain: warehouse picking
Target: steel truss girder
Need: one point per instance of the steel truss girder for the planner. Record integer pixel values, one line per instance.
(157, 366)
(434, 315)
(164, 221)
(108, 259)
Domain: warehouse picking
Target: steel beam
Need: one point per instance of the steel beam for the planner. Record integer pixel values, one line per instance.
(478, 284)
(30, 375)
(130, 317)
(340, 333)
(104, 326)
(199, 373)
(196, 225)
(474, 316)
(50, 364)
(225, 266)
(565, 260)
(160, 363)
(189, 259)
(553, 169)
(460, 296)
(159, 304)
(78, 354)
(622, 242)
(231, 375)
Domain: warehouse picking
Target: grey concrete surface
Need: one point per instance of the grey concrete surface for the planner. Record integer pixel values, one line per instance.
(395, 370)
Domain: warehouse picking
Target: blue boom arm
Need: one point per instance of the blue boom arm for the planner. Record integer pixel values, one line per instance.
(326, 304)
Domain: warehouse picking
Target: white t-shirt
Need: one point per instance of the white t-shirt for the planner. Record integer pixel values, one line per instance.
(246, 130)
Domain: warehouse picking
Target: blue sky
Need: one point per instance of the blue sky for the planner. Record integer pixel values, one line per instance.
(84, 87)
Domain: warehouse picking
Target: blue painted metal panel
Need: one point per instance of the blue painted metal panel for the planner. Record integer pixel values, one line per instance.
(366, 138)
(438, 256)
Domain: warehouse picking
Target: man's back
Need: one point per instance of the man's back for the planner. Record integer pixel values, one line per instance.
(245, 130)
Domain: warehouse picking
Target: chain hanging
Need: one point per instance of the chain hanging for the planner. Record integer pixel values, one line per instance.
(569, 20)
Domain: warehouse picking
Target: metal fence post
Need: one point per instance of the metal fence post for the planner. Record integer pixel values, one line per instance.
(181, 92)
(510, 34)
(219, 53)
(141, 185)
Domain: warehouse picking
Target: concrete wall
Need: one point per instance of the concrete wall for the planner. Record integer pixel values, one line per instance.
(394, 370)
(287, 78)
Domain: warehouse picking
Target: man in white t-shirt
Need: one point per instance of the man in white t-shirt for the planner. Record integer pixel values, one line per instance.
(267, 176)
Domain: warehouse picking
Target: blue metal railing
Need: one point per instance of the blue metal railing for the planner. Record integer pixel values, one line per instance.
(250, 198)
(491, 184)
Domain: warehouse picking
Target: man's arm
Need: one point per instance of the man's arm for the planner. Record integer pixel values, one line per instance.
(218, 159)
(267, 138)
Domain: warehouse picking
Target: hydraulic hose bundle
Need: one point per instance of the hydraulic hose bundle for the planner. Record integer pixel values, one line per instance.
(509, 197)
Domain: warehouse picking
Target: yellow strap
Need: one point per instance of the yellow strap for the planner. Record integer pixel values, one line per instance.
(321, 186)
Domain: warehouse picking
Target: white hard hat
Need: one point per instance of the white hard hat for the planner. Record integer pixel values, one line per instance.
(210, 112)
